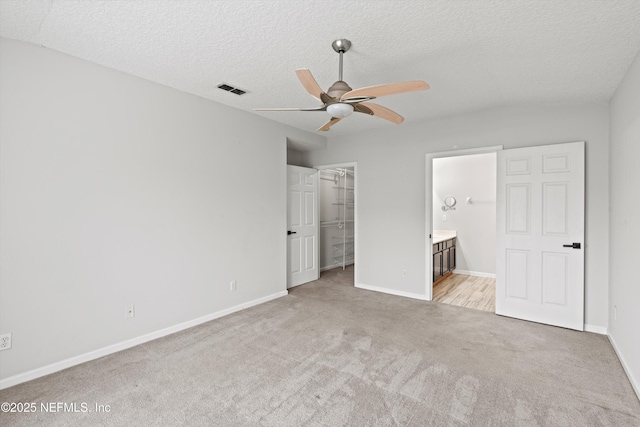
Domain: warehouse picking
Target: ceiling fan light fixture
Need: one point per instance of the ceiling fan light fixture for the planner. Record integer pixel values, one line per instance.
(340, 110)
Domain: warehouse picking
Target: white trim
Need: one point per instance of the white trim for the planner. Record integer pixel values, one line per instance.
(114, 348)
(634, 384)
(412, 295)
(602, 330)
(466, 151)
(475, 273)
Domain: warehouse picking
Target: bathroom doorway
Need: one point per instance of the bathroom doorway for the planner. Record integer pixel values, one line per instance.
(461, 238)
(464, 238)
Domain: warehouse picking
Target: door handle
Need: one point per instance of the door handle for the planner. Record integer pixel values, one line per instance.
(573, 245)
(293, 232)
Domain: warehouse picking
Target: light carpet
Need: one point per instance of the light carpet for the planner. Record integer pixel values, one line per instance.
(329, 354)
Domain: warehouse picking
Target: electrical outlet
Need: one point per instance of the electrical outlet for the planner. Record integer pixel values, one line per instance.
(232, 285)
(130, 312)
(444, 218)
(5, 341)
(404, 273)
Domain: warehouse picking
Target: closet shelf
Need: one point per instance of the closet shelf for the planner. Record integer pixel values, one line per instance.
(339, 245)
(338, 171)
(348, 238)
(342, 258)
(338, 224)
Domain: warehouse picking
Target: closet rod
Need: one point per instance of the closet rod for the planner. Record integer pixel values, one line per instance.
(338, 171)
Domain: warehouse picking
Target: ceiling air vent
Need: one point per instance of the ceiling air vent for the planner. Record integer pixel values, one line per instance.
(231, 89)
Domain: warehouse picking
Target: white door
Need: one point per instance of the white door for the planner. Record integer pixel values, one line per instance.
(540, 234)
(302, 225)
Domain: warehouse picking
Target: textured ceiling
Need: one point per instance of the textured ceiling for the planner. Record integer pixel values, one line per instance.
(474, 54)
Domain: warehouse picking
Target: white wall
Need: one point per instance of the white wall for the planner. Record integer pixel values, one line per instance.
(624, 278)
(475, 223)
(118, 191)
(391, 191)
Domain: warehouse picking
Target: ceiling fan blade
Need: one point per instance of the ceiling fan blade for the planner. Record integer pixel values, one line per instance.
(384, 90)
(380, 111)
(321, 108)
(309, 83)
(330, 123)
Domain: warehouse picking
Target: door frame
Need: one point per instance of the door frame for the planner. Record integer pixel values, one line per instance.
(428, 202)
(353, 165)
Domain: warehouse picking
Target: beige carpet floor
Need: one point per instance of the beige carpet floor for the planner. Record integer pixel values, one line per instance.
(333, 355)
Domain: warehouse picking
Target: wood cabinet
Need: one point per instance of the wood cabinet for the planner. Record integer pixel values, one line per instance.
(437, 265)
(444, 258)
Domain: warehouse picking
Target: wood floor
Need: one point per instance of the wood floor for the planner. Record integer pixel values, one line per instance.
(467, 291)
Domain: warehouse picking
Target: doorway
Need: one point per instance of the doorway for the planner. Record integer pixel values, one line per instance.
(539, 232)
(463, 224)
(431, 206)
(337, 213)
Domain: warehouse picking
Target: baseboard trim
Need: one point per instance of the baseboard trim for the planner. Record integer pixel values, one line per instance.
(595, 329)
(114, 348)
(475, 273)
(392, 292)
(634, 384)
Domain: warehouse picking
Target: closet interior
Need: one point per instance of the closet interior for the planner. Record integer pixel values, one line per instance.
(337, 217)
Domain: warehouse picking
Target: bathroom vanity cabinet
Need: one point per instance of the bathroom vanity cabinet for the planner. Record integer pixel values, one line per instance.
(444, 254)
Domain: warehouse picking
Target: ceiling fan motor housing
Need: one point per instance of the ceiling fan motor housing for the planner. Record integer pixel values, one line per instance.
(338, 89)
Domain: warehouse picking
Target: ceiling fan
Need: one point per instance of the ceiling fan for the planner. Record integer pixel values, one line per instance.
(340, 100)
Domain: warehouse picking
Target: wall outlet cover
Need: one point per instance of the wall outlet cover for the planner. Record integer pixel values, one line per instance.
(5, 341)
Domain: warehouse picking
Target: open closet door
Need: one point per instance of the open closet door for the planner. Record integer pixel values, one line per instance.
(540, 234)
(302, 225)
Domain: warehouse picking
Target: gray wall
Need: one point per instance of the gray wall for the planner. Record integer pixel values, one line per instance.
(119, 191)
(294, 157)
(624, 279)
(391, 187)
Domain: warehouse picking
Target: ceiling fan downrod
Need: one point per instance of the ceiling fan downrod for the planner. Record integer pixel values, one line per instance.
(341, 46)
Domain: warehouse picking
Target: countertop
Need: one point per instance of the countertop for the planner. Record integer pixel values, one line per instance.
(442, 235)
